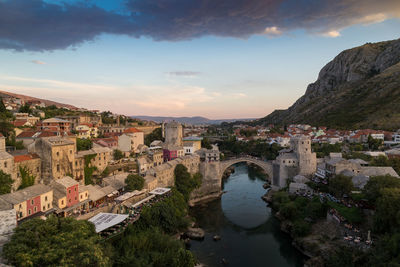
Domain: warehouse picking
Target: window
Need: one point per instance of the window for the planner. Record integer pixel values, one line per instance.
(75, 198)
(81, 196)
(29, 212)
(48, 205)
(45, 198)
(86, 194)
(70, 152)
(69, 200)
(62, 202)
(44, 208)
(69, 191)
(58, 153)
(5, 164)
(32, 201)
(75, 189)
(58, 167)
(35, 209)
(37, 169)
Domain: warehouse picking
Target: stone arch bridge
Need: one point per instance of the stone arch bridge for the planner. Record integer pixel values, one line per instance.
(212, 176)
(265, 165)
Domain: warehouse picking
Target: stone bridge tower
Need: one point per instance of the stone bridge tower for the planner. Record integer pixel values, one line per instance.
(307, 160)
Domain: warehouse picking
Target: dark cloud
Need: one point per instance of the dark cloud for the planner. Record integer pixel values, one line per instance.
(37, 25)
(184, 73)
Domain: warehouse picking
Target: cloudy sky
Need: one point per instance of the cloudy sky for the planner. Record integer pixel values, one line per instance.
(213, 58)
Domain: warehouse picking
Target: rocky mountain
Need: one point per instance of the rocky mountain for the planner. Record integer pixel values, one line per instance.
(188, 120)
(359, 88)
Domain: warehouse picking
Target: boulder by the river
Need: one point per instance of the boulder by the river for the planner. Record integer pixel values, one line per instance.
(195, 233)
(217, 237)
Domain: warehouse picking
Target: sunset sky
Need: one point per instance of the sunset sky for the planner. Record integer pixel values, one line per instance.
(212, 58)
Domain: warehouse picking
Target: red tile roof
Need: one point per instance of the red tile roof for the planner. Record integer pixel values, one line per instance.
(132, 130)
(26, 157)
(19, 123)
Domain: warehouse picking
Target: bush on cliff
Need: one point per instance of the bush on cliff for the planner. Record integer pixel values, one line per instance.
(185, 183)
(301, 228)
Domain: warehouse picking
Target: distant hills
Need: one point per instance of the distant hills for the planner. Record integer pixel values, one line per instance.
(359, 88)
(28, 98)
(188, 120)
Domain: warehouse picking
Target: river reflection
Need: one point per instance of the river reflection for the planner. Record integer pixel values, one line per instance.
(250, 234)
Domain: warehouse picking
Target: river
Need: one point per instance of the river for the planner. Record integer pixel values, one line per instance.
(250, 234)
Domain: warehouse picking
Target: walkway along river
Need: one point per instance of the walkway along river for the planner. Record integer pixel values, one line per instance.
(250, 234)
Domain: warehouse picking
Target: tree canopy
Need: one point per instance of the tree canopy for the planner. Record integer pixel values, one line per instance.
(55, 242)
(154, 135)
(340, 185)
(118, 154)
(5, 183)
(185, 182)
(372, 189)
(27, 179)
(83, 144)
(134, 182)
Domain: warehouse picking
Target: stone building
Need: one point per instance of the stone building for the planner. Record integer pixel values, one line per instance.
(173, 134)
(31, 200)
(100, 158)
(164, 173)
(6, 159)
(130, 140)
(298, 159)
(82, 119)
(57, 155)
(31, 163)
(157, 156)
(54, 125)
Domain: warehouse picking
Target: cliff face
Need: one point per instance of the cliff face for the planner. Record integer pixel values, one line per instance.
(359, 88)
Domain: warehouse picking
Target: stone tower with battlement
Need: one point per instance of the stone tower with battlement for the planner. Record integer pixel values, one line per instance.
(307, 160)
(174, 134)
(299, 159)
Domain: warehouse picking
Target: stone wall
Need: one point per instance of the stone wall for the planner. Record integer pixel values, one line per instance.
(211, 183)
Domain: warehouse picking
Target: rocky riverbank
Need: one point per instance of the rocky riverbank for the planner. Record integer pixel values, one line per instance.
(322, 241)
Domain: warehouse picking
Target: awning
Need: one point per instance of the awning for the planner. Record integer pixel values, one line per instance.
(160, 191)
(137, 204)
(102, 221)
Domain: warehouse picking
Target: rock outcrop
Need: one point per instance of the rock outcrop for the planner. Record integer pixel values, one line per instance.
(357, 88)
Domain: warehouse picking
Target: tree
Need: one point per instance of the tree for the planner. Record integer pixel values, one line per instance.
(340, 185)
(206, 143)
(374, 144)
(118, 154)
(169, 215)
(55, 242)
(156, 134)
(5, 183)
(387, 218)
(27, 179)
(152, 248)
(375, 184)
(83, 144)
(89, 169)
(25, 108)
(184, 182)
(134, 182)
